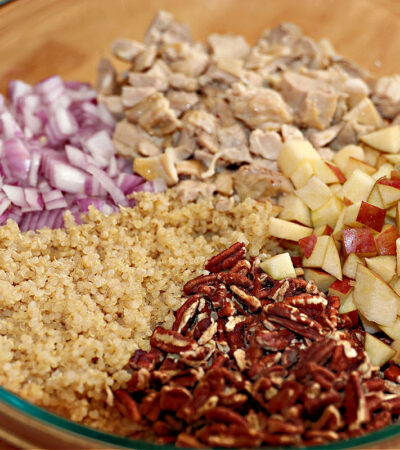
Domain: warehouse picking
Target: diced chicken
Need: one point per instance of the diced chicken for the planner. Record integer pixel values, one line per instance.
(113, 104)
(265, 163)
(215, 74)
(201, 121)
(106, 78)
(131, 96)
(233, 136)
(191, 60)
(224, 183)
(236, 155)
(126, 49)
(186, 139)
(285, 34)
(161, 166)
(356, 89)
(190, 167)
(182, 101)
(219, 107)
(208, 141)
(321, 138)
(260, 183)
(289, 132)
(180, 81)
(347, 135)
(205, 157)
(154, 115)
(255, 106)
(180, 153)
(386, 96)
(157, 81)
(145, 59)
(191, 190)
(364, 113)
(313, 100)
(164, 30)
(134, 141)
(266, 144)
(228, 46)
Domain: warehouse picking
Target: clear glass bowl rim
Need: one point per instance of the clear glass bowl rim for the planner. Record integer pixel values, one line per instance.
(64, 425)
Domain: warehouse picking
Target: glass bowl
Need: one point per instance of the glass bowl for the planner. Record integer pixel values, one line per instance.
(46, 37)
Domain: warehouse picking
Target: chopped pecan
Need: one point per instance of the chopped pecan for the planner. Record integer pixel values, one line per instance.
(185, 314)
(355, 405)
(392, 373)
(171, 341)
(203, 280)
(226, 259)
(252, 303)
(174, 397)
(274, 340)
(128, 405)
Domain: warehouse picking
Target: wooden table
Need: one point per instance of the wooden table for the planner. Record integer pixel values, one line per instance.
(43, 37)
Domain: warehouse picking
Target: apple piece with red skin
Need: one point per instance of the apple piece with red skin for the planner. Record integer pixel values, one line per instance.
(321, 278)
(389, 190)
(359, 241)
(353, 316)
(341, 288)
(307, 244)
(339, 174)
(378, 352)
(350, 265)
(296, 260)
(371, 216)
(386, 240)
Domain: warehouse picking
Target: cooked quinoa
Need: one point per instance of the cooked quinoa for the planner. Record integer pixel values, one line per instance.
(76, 302)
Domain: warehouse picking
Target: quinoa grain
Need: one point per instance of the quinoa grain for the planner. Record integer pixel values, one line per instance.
(77, 302)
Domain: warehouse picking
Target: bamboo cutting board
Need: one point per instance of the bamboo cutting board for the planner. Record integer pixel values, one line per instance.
(39, 38)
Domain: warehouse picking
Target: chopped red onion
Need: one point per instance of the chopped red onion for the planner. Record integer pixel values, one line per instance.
(56, 153)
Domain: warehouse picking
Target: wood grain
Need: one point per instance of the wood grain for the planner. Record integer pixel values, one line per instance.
(43, 37)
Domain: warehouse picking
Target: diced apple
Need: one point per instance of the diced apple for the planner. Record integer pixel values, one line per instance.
(341, 157)
(323, 230)
(328, 172)
(347, 304)
(392, 212)
(341, 288)
(307, 244)
(395, 283)
(354, 163)
(389, 191)
(293, 152)
(384, 170)
(374, 298)
(287, 230)
(359, 241)
(374, 198)
(386, 140)
(378, 352)
(357, 187)
(385, 266)
(371, 216)
(350, 265)
(331, 262)
(294, 209)
(315, 193)
(398, 255)
(279, 267)
(302, 174)
(394, 330)
(371, 156)
(386, 240)
(395, 345)
(335, 188)
(337, 231)
(328, 213)
(369, 327)
(322, 279)
(351, 214)
(393, 159)
(317, 256)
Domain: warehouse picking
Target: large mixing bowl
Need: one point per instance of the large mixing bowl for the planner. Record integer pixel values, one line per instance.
(43, 37)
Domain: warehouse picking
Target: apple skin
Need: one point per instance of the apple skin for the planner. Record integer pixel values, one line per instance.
(359, 241)
(389, 182)
(371, 216)
(353, 316)
(344, 286)
(339, 174)
(386, 241)
(296, 260)
(307, 244)
(328, 230)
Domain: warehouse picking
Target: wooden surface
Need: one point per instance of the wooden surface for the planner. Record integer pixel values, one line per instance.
(43, 37)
